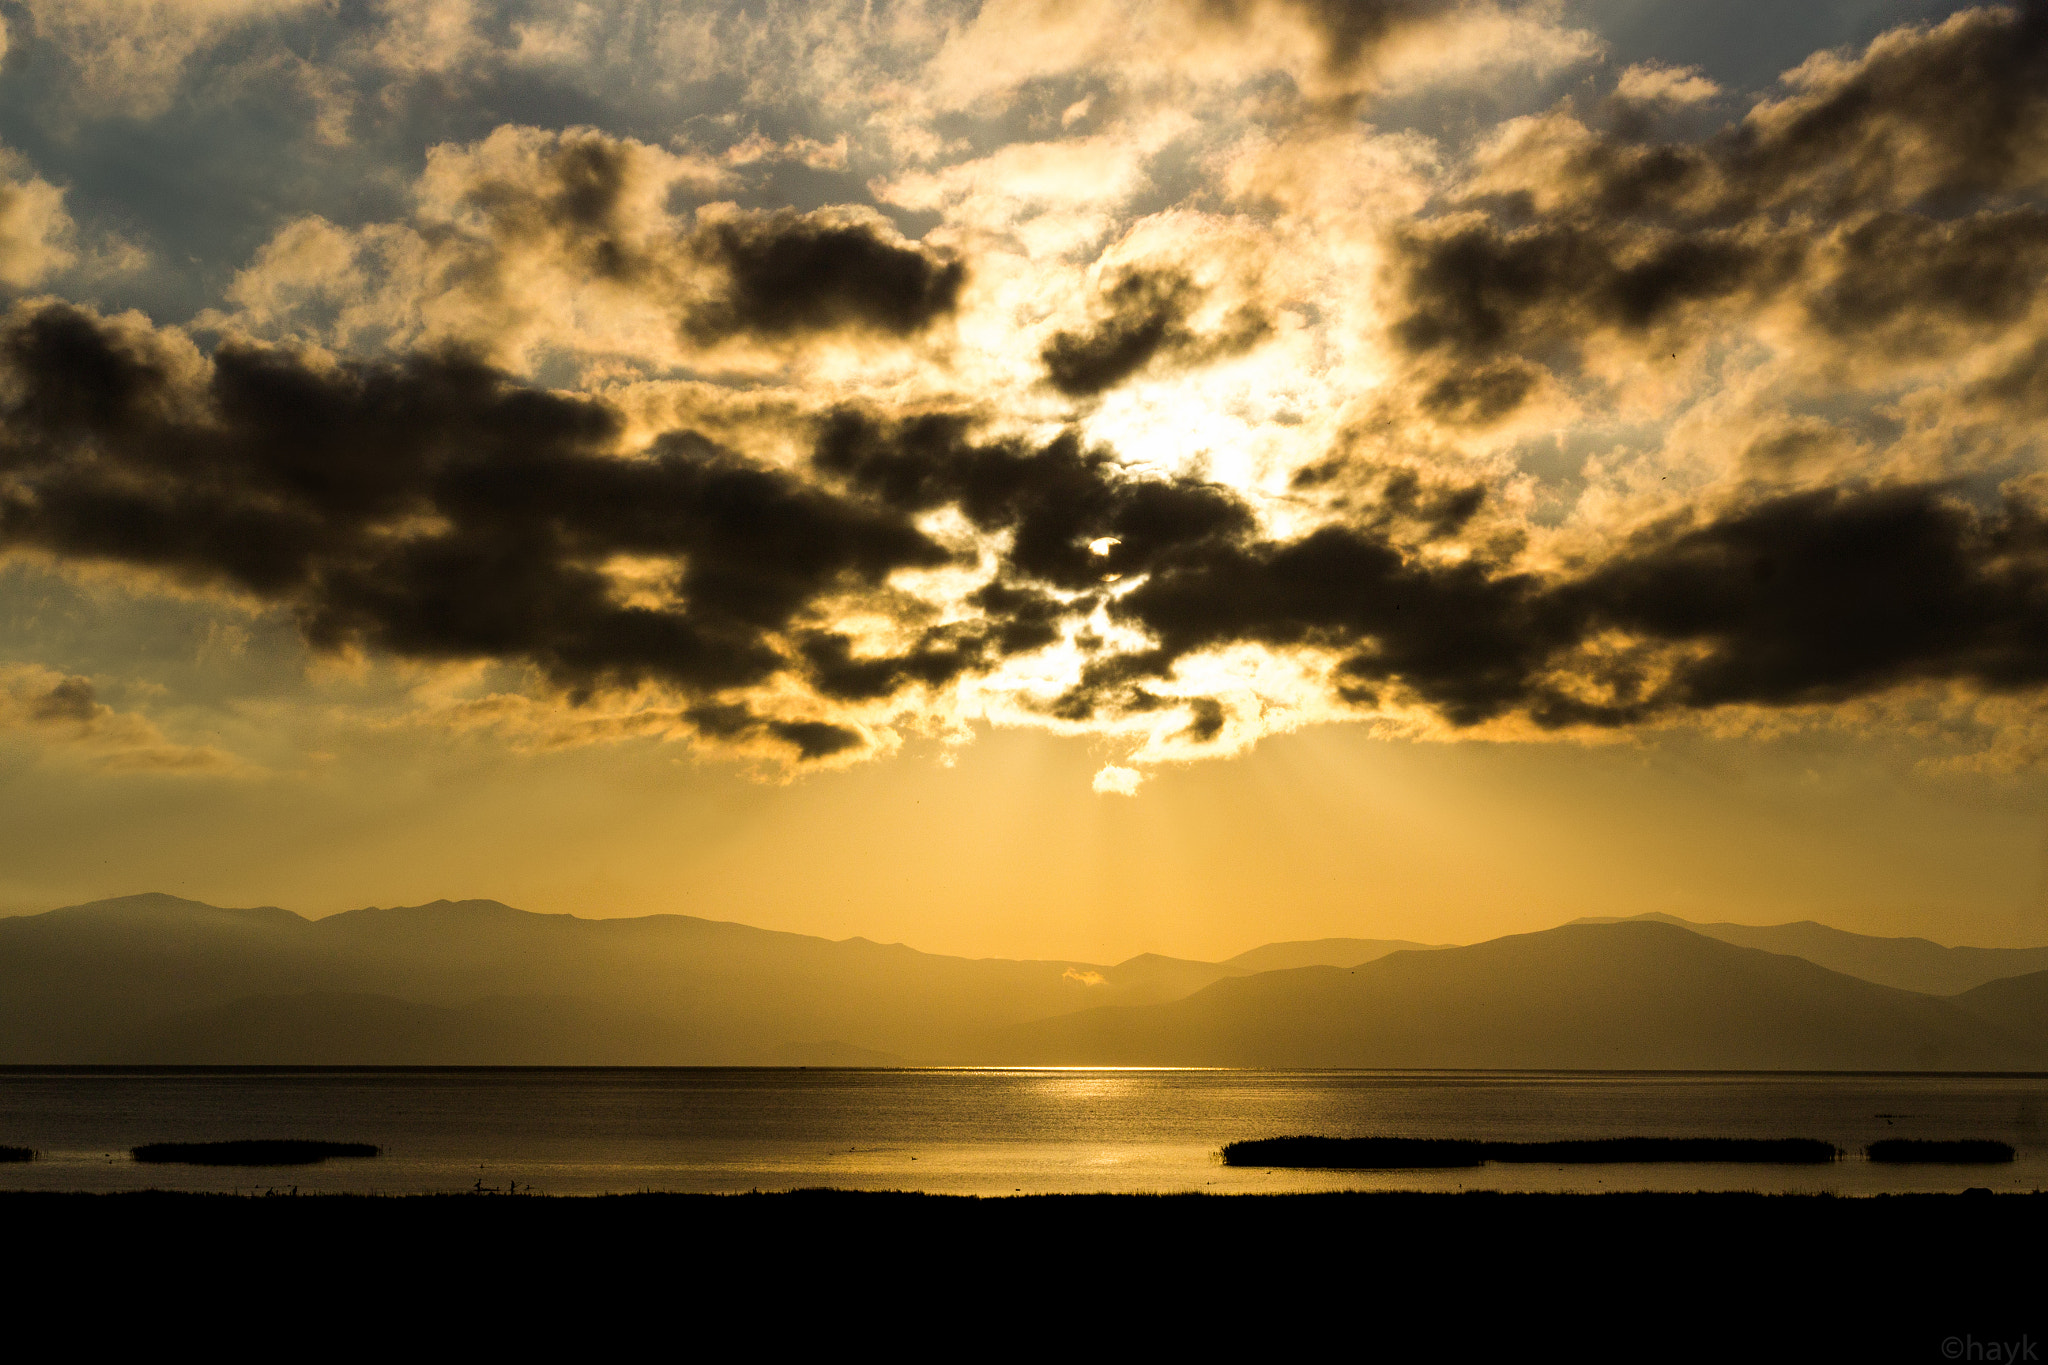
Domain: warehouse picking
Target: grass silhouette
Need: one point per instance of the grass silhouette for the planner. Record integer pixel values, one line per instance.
(17, 1154)
(1965, 1151)
(1384, 1153)
(251, 1152)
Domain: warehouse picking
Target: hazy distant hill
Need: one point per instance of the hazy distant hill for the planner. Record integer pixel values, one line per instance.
(1912, 964)
(1635, 994)
(157, 978)
(342, 1029)
(2018, 1004)
(1322, 952)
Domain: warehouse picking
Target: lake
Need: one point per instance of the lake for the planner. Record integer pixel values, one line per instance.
(990, 1132)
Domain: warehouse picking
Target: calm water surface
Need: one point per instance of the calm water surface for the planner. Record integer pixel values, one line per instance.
(978, 1132)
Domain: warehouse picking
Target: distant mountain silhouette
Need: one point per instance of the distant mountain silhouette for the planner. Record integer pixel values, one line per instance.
(156, 910)
(1911, 964)
(2018, 1004)
(1322, 952)
(1628, 995)
(158, 979)
(154, 978)
(341, 1029)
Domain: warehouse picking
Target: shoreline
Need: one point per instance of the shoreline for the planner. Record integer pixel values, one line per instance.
(284, 1190)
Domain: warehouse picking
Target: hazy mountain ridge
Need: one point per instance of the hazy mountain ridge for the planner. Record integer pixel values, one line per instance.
(139, 979)
(2017, 1004)
(157, 978)
(1912, 964)
(1621, 996)
(1325, 952)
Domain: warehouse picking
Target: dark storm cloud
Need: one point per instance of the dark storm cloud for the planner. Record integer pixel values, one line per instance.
(1465, 636)
(1052, 501)
(1024, 619)
(770, 274)
(1480, 289)
(940, 655)
(792, 272)
(578, 199)
(1478, 395)
(429, 509)
(814, 739)
(1926, 116)
(1053, 498)
(1898, 271)
(1467, 639)
(435, 510)
(70, 700)
(1832, 594)
(1438, 509)
(1814, 597)
(1397, 500)
(1207, 720)
(1142, 315)
(733, 722)
(1145, 313)
(1869, 194)
(1960, 109)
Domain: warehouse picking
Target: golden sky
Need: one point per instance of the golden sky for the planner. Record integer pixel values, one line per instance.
(1031, 477)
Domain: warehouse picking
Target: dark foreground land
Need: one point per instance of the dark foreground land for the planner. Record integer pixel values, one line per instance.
(1394, 1276)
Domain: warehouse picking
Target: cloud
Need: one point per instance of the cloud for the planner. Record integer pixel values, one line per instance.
(1802, 598)
(787, 272)
(1826, 595)
(1168, 402)
(527, 723)
(428, 509)
(1917, 285)
(1479, 291)
(435, 510)
(131, 54)
(1810, 595)
(1053, 500)
(530, 242)
(419, 37)
(36, 233)
(1874, 196)
(1923, 114)
(64, 716)
(1115, 781)
(1328, 49)
(1143, 316)
(2020, 386)
(1652, 83)
(756, 148)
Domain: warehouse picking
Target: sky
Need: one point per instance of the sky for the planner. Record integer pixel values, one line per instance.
(1031, 478)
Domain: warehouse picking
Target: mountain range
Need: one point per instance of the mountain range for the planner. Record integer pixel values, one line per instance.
(158, 979)
(1911, 964)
